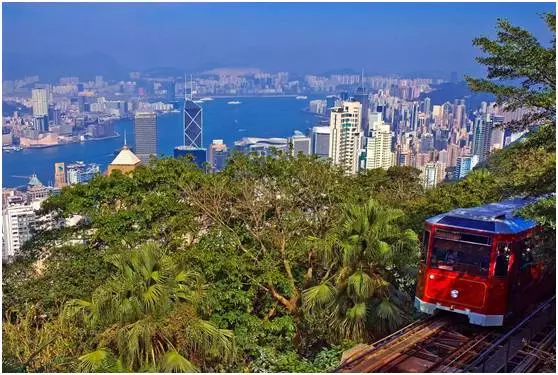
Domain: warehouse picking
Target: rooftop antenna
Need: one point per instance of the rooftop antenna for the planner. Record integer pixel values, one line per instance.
(125, 143)
(191, 87)
(362, 79)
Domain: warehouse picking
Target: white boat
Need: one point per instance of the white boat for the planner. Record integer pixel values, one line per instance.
(198, 101)
(207, 99)
(234, 102)
(301, 97)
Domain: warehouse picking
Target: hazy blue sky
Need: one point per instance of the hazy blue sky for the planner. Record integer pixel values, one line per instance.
(382, 38)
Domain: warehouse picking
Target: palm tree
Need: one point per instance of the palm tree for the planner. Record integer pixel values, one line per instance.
(371, 257)
(146, 317)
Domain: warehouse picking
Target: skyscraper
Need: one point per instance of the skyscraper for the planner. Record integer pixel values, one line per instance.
(39, 99)
(482, 134)
(362, 97)
(427, 106)
(345, 138)
(145, 124)
(193, 124)
(378, 147)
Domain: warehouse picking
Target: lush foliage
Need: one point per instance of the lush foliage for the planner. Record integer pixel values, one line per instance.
(274, 264)
(517, 56)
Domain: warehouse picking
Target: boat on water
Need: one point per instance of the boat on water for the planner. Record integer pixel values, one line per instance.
(11, 148)
(241, 130)
(301, 97)
(198, 101)
(206, 99)
(234, 102)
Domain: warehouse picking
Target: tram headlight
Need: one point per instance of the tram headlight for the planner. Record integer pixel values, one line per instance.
(454, 293)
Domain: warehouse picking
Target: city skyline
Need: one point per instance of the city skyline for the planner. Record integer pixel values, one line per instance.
(406, 36)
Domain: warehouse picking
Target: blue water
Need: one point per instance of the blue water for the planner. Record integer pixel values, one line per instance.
(255, 117)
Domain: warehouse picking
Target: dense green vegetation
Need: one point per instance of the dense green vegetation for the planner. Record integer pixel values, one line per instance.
(274, 264)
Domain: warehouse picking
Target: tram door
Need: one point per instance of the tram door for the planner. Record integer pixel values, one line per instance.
(521, 276)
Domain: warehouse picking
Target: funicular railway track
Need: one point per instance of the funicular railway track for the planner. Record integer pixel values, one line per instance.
(447, 344)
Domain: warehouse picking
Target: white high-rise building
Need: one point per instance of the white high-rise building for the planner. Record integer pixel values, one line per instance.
(378, 147)
(345, 139)
(17, 223)
(39, 99)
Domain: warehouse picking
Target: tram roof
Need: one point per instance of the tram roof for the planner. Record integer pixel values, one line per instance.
(498, 218)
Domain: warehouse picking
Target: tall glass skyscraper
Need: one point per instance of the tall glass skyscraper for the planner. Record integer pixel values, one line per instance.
(193, 124)
(145, 124)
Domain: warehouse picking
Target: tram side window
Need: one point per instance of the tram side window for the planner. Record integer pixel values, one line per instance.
(424, 247)
(502, 260)
(526, 259)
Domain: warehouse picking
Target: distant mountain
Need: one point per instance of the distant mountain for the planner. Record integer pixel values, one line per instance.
(164, 71)
(341, 71)
(51, 67)
(448, 92)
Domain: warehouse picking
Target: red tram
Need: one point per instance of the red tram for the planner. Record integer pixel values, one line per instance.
(481, 262)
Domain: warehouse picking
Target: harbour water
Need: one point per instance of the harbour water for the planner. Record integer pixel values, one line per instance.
(254, 117)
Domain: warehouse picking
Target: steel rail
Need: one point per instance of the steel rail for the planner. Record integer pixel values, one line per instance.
(484, 356)
(415, 326)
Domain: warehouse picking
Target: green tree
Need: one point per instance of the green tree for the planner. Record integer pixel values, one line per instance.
(371, 257)
(146, 317)
(516, 55)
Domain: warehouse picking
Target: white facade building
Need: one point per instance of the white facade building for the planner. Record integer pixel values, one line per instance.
(39, 99)
(345, 139)
(378, 147)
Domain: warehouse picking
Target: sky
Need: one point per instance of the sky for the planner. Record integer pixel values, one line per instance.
(382, 38)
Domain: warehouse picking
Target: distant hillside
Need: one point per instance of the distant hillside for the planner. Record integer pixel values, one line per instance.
(448, 92)
(51, 67)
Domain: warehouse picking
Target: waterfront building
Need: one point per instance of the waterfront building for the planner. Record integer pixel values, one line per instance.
(378, 152)
(300, 143)
(79, 172)
(217, 155)
(320, 140)
(262, 146)
(59, 175)
(126, 161)
(197, 155)
(193, 124)
(464, 165)
(145, 125)
(40, 124)
(317, 106)
(345, 138)
(39, 99)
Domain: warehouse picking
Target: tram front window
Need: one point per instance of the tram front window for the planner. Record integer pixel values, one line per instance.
(460, 256)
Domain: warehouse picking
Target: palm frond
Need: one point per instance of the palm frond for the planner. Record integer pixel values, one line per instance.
(318, 296)
(173, 361)
(100, 360)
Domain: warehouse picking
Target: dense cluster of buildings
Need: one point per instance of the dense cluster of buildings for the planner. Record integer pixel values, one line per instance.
(356, 130)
